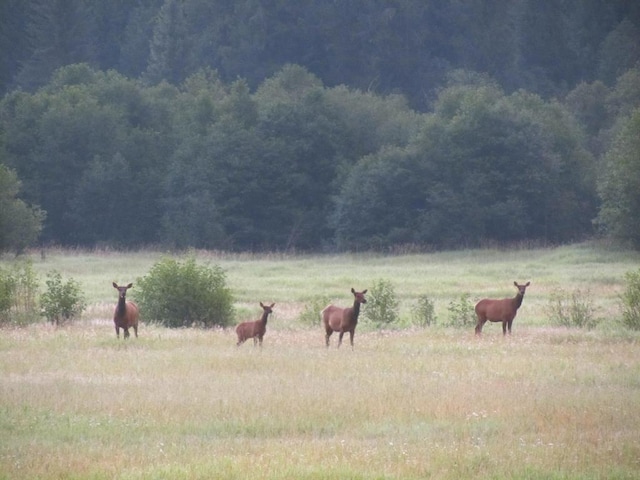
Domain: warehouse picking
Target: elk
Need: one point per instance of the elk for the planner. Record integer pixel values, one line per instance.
(337, 319)
(255, 330)
(500, 310)
(126, 314)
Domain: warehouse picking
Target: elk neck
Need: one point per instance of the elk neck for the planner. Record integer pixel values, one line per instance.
(356, 310)
(265, 316)
(517, 301)
(122, 306)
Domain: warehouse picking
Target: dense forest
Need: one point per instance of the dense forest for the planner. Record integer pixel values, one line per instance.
(317, 125)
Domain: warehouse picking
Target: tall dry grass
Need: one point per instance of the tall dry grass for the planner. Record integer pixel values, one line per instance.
(434, 403)
(546, 403)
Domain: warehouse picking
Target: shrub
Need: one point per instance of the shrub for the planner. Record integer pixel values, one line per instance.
(382, 305)
(631, 301)
(311, 313)
(61, 301)
(185, 294)
(572, 310)
(7, 289)
(461, 312)
(18, 294)
(423, 312)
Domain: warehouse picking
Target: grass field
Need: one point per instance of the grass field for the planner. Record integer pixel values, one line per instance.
(410, 403)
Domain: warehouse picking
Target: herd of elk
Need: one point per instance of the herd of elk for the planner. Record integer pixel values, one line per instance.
(337, 319)
(126, 314)
(334, 319)
(503, 310)
(255, 330)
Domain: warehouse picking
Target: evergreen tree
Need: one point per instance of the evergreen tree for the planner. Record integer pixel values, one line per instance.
(169, 46)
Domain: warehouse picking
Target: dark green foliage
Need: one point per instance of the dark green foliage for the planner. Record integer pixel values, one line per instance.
(461, 312)
(485, 167)
(381, 308)
(18, 294)
(315, 125)
(423, 312)
(20, 224)
(184, 294)
(574, 309)
(620, 184)
(61, 301)
(631, 301)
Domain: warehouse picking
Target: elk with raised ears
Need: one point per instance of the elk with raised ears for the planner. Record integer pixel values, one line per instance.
(337, 319)
(126, 314)
(255, 330)
(503, 310)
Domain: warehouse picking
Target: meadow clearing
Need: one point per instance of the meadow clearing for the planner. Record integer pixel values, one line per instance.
(406, 403)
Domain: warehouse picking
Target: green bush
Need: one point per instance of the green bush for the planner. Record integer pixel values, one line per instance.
(61, 301)
(382, 305)
(461, 312)
(423, 313)
(176, 294)
(631, 301)
(311, 313)
(7, 289)
(18, 294)
(573, 309)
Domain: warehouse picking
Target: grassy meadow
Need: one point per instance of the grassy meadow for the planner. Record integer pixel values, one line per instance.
(407, 403)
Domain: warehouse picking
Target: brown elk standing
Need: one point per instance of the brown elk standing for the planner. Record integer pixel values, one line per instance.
(337, 319)
(500, 310)
(126, 314)
(255, 330)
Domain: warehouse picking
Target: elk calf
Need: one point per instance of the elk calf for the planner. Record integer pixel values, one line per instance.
(126, 314)
(255, 330)
(500, 310)
(337, 319)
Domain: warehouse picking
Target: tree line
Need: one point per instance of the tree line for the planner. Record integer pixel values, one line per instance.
(318, 125)
(408, 46)
(296, 165)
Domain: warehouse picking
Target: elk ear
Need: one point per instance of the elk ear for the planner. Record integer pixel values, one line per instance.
(353, 291)
(261, 305)
(528, 283)
(130, 285)
(515, 283)
(272, 305)
(115, 285)
(364, 291)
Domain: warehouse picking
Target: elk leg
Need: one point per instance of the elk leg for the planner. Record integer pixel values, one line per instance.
(351, 333)
(504, 328)
(326, 337)
(479, 326)
(126, 332)
(340, 338)
(117, 331)
(135, 330)
(509, 326)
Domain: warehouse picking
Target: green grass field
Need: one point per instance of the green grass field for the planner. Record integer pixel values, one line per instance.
(408, 403)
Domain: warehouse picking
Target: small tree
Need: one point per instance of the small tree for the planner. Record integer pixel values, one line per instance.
(185, 294)
(18, 293)
(461, 312)
(424, 312)
(572, 310)
(7, 289)
(62, 301)
(631, 301)
(311, 313)
(382, 305)
(20, 224)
